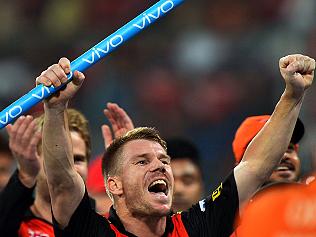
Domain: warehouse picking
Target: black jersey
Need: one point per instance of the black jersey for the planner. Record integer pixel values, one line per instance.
(16, 218)
(213, 216)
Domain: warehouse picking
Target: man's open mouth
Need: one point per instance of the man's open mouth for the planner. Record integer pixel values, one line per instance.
(285, 167)
(158, 186)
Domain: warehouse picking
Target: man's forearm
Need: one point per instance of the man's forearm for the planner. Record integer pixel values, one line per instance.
(65, 185)
(268, 147)
(57, 147)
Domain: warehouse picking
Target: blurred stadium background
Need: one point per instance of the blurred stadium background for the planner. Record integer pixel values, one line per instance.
(196, 73)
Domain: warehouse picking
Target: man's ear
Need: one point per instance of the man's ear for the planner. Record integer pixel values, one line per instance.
(115, 185)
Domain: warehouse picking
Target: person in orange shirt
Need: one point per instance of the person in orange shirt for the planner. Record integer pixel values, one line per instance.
(281, 210)
(289, 168)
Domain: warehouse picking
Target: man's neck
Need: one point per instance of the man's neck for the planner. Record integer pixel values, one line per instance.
(143, 226)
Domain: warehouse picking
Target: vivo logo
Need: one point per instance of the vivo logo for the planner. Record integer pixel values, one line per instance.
(17, 110)
(113, 43)
(12, 113)
(41, 96)
(148, 18)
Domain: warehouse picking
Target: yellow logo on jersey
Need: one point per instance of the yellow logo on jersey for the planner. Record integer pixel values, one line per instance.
(217, 192)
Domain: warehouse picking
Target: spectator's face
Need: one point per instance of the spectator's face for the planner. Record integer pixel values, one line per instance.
(147, 180)
(289, 168)
(79, 151)
(6, 168)
(80, 161)
(188, 186)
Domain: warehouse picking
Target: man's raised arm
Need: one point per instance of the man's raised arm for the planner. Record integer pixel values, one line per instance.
(267, 148)
(66, 187)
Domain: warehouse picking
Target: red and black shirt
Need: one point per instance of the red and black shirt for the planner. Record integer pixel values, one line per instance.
(212, 216)
(16, 218)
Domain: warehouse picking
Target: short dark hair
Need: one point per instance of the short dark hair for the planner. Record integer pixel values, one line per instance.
(109, 160)
(180, 148)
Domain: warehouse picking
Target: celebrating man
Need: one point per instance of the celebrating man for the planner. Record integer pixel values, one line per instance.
(137, 168)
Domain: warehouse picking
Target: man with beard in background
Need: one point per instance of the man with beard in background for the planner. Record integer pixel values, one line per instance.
(187, 173)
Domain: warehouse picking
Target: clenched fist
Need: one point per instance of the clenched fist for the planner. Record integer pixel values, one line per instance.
(56, 75)
(298, 73)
